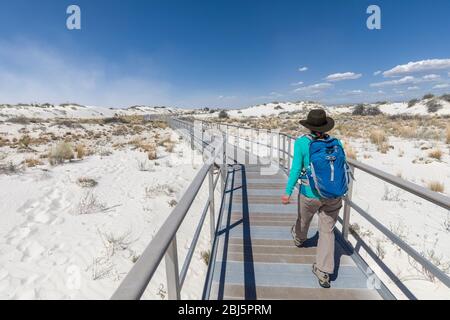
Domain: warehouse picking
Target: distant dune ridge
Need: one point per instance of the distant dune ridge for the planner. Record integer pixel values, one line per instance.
(427, 106)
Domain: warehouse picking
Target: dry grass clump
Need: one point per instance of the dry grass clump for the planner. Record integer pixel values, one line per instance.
(24, 142)
(3, 142)
(436, 186)
(90, 204)
(32, 162)
(152, 154)
(349, 151)
(149, 148)
(85, 182)
(206, 256)
(60, 153)
(167, 143)
(160, 124)
(447, 134)
(435, 154)
(80, 150)
(377, 137)
(407, 132)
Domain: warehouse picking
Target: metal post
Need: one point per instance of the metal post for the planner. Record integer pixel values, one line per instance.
(224, 162)
(270, 134)
(192, 138)
(250, 140)
(278, 148)
(203, 144)
(212, 219)
(237, 137)
(284, 151)
(347, 208)
(172, 273)
(289, 156)
(257, 142)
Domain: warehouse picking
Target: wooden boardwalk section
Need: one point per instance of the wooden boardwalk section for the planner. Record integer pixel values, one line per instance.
(255, 255)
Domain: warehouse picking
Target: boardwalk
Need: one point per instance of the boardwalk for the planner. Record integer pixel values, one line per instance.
(256, 258)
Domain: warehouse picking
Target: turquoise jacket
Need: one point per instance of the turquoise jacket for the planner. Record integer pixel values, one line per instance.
(299, 165)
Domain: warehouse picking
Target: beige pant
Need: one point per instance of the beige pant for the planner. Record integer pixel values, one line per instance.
(328, 213)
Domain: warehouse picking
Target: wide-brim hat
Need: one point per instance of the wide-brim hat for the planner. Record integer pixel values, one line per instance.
(317, 120)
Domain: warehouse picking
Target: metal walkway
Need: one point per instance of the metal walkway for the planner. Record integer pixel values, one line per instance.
(255, 256)
(252, 253)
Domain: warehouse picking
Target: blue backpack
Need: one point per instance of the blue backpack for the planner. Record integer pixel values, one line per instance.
(328, 172)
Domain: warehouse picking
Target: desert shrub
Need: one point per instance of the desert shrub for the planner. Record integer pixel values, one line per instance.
(19, 120)
(433, 106)
(80, 151)
(170, 147)
(349, 151)
(206, 256)
(89, 204)
(428, 96)
(447, 134)
(278, 108)
(85, 182)
(10, 168)
(436, 186)
(32, 162)
(358, 110)
(172, 203)
(223, 114)
(372, 111)
(412, 103)
(60, 153)
(152, 154)
(24, 142)
(435, 154)
(3, 142)
(160, 124)
(116, 242)
(377, 137)
(361, 110)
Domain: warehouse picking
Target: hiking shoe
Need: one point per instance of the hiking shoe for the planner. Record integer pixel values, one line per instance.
(323, 277)
(298, 242)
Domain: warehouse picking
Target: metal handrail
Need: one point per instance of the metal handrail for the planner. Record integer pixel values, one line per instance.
(164, 243)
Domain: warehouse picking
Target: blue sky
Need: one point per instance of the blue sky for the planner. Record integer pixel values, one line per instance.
(234, 53)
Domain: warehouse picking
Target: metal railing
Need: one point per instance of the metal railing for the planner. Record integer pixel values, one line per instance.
(280, 151)
(164, 244)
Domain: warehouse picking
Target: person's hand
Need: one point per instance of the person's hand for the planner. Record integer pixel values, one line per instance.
(285, 199)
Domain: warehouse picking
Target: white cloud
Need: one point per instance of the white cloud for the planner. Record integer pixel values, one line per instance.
(295, 84)
(413, 88)
(431, 77)
(442, 86)
(226, 97)
(343, 76)
(402, 81)
(315, 88)
(303, 69)
(352, 93)
(418, 66)
(30, 72)
(276, 94)
(377, 72)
